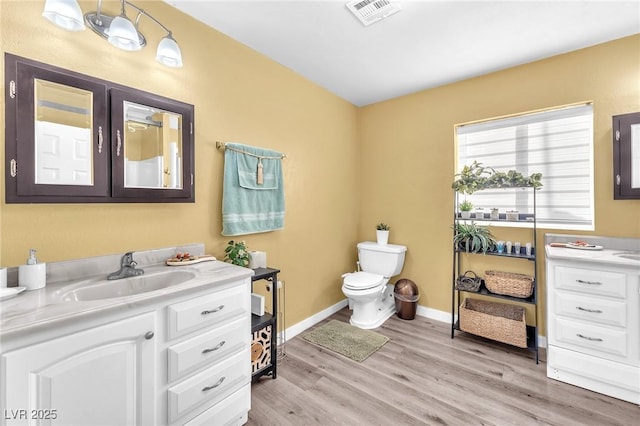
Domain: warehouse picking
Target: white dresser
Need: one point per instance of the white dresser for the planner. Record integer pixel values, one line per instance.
(593, 318)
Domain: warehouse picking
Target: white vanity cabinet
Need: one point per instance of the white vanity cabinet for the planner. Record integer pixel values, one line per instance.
(181, 357)
(105, 373)
(593, 326)
(209, 359)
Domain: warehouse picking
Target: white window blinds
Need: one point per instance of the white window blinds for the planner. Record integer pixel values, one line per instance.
(557, 143)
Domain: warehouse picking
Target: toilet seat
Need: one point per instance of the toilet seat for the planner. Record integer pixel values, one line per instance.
(362, 281)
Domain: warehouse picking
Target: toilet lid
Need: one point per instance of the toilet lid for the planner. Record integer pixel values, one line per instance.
(362, 280)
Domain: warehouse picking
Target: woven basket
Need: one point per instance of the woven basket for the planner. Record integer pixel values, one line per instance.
(469, 281)
(508, 283)
(496, 321)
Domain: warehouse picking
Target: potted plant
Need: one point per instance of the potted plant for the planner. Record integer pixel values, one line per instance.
(236, 253)
(473, 238)
(465, 209)
(477, 177)
(382, 233)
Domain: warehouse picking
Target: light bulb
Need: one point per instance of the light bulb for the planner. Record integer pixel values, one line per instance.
(65, 14)
(123, 34)
(168, 52)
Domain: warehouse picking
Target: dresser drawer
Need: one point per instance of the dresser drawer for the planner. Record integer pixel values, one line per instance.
(597, 310)
(210, 386)
(208, 348)
(229, 412)
(597, 339)
(207, 310)
(590, 281)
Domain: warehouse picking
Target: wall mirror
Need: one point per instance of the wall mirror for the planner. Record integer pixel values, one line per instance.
(72, 138)
(63, 113)
(151, 138)
(152, 147)
(626, 156)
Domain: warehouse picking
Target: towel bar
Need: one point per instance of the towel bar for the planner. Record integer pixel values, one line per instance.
(223, 145)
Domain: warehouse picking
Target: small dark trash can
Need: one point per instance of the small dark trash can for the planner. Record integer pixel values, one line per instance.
(406, 295)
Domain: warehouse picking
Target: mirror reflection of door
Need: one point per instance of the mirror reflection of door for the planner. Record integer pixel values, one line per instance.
(63, 134)
(152, 147)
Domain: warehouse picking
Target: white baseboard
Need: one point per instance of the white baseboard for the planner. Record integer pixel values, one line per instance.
(298, 328)
(423, 311)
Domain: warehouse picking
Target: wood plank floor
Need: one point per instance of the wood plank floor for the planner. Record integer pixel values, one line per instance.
(423, 377)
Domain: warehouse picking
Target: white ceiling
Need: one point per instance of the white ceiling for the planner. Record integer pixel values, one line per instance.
(427, 44)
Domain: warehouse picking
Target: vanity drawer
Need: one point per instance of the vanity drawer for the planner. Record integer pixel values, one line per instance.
(590, 281)
(598, 340)
(207, 348)
(231, 411)
(597, 310)
(210, 386)
(207, 310)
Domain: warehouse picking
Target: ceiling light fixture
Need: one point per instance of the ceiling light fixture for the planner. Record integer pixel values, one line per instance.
(120, 31)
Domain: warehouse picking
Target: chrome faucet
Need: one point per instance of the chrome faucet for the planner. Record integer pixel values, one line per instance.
(127, 268)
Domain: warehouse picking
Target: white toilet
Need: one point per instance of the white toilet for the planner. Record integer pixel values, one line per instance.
(370, 296)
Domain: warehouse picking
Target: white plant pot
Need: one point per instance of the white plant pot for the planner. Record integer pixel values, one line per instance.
(382, 237)
(465, 215)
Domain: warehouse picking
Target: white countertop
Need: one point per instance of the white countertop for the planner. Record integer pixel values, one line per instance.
(45, 307)
(607, 256)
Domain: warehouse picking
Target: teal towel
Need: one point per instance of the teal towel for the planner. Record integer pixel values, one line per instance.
(249, 207)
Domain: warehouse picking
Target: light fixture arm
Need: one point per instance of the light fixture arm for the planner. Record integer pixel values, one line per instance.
(143, 12)
(99, 13)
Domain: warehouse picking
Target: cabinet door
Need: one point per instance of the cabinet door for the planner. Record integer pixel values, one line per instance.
(152, 147)
(56, 132)
(626, 156)
(102, 376)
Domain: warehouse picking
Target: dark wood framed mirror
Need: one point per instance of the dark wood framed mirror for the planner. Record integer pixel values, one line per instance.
(151, 146)
(55, 129)
(626, 156)
(67, 136)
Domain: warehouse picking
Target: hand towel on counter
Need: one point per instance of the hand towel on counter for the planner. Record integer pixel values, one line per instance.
(250, 204)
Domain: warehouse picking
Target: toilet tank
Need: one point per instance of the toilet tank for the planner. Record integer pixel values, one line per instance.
(386, 260)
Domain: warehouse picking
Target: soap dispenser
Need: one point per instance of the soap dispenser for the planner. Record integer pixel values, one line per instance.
(33, 275)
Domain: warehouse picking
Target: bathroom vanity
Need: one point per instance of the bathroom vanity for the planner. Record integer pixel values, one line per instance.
(593, 313)
(176, 354)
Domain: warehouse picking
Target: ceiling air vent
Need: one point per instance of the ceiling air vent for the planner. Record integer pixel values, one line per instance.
(370, 11)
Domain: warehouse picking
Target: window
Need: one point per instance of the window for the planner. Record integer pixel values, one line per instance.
(557, 143)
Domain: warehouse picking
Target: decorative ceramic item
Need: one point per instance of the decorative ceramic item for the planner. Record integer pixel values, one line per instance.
(382, 233)
(495, 214)
(465, 209)
(513, 214)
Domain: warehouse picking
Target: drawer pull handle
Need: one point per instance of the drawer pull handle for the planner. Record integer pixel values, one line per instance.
(593, 339)
(218, 346)
(213, 311)
(589, 282)
(218, 383)
(149, 335)
(593, 311)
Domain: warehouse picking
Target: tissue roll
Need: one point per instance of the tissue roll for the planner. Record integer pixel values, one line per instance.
(257, 259)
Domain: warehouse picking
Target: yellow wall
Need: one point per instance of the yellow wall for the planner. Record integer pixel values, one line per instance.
(408, 152)
(347, 168)
(239, 95)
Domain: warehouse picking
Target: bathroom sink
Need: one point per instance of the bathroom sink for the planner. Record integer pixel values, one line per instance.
(631, 255)
(105, 289)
